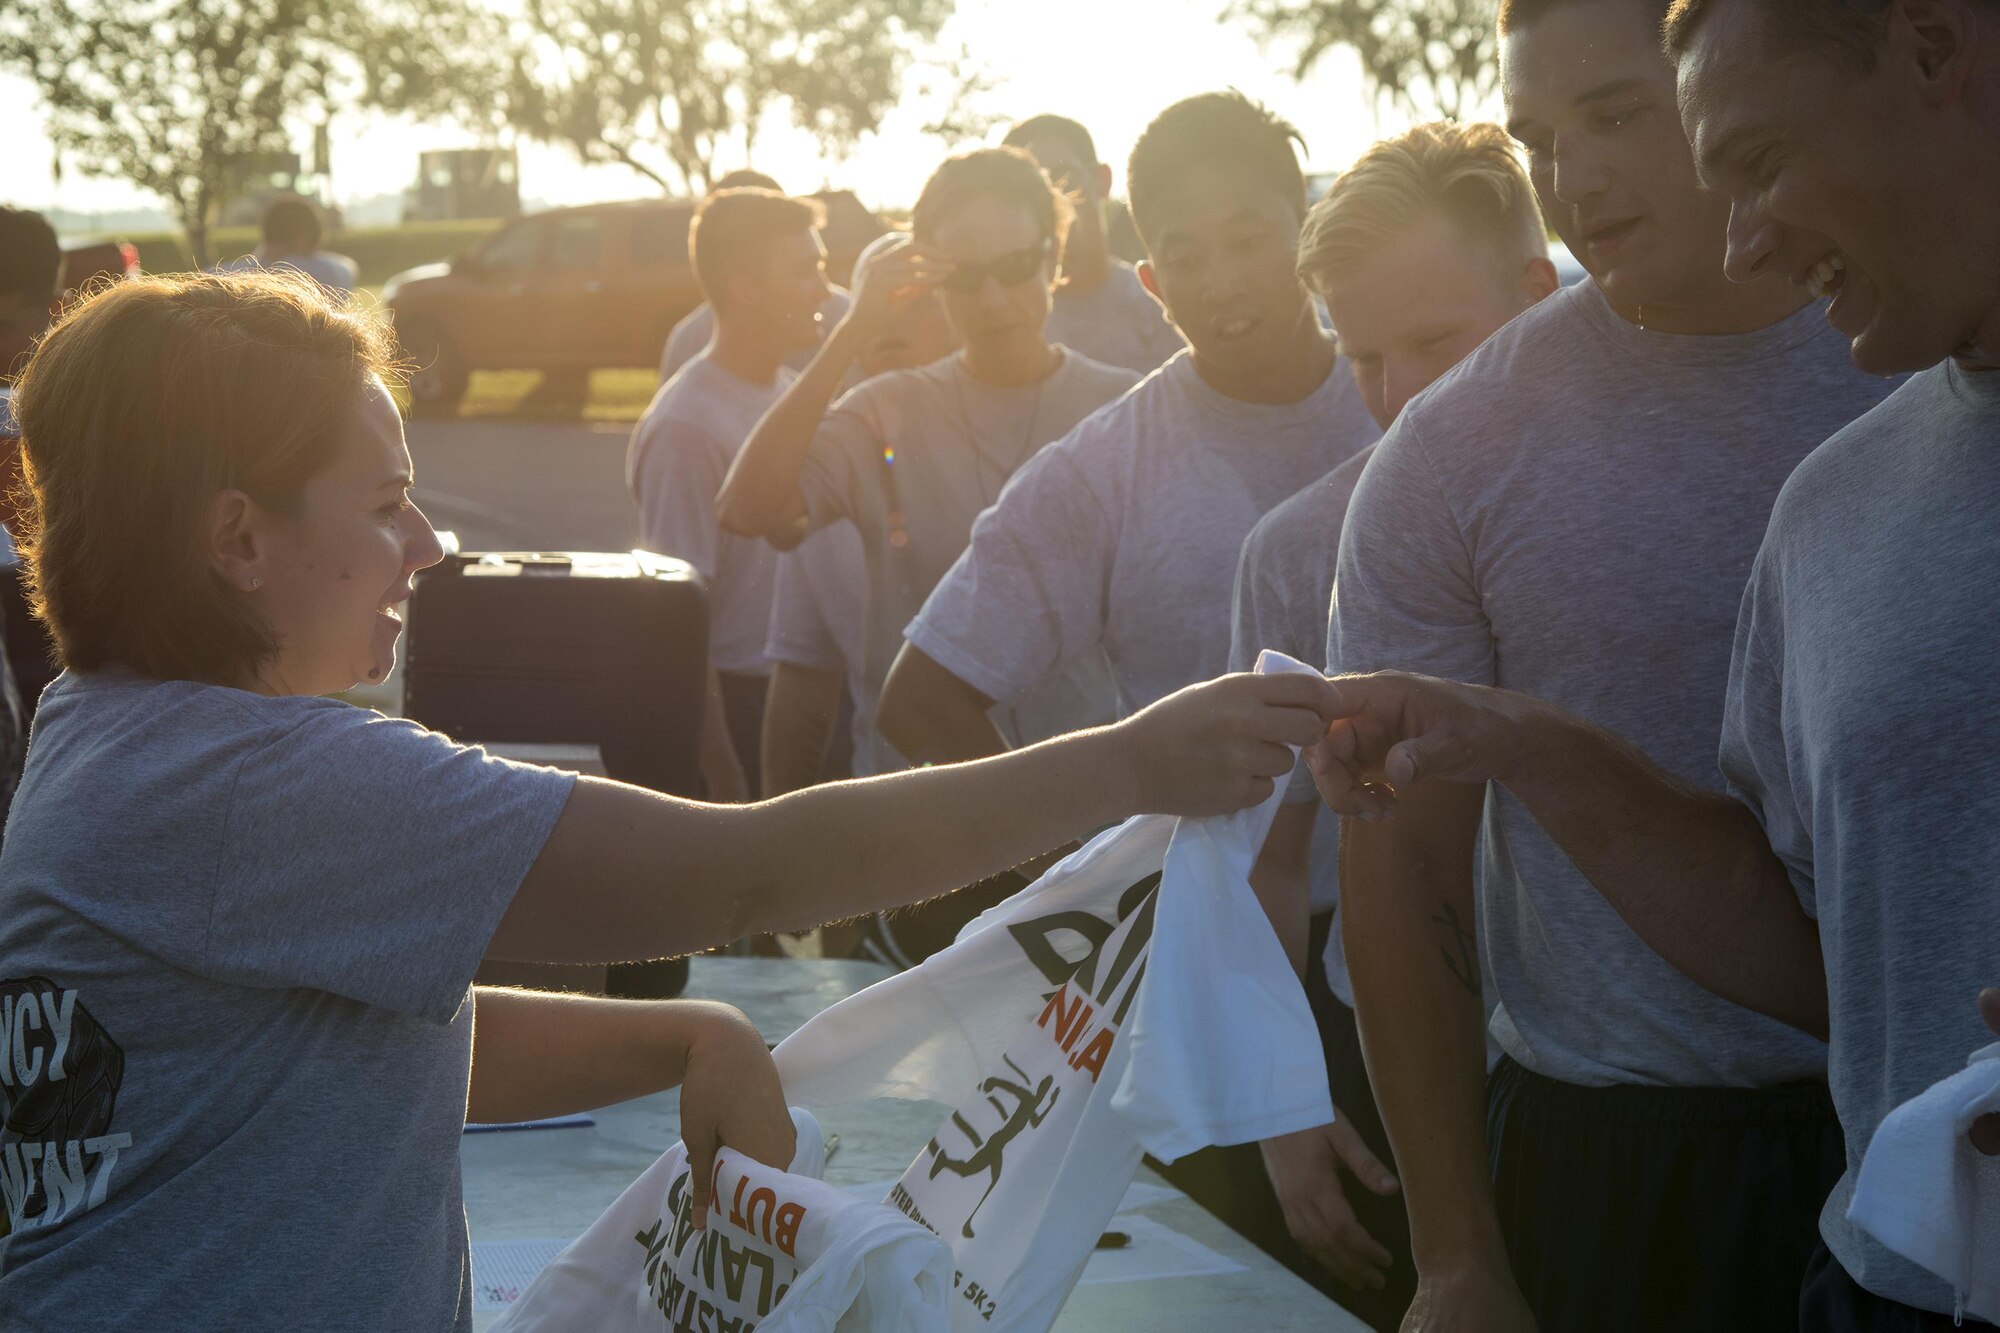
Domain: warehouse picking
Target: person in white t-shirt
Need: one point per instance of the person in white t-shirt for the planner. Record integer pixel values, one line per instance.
(759, 259)
(1101, 307)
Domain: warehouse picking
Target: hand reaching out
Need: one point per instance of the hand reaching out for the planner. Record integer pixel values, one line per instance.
(1221, 746)
(1392, 729)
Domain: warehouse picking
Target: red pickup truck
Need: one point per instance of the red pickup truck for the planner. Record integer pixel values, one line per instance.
(568, 291)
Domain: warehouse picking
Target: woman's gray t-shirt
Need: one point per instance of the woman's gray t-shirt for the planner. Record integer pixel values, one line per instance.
(237, 939)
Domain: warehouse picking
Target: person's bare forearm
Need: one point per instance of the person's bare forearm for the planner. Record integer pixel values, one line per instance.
(811, 856)
(628, 873)
(760, 496)
(1690, 870)
(933, 717)
(1406, 893)
(1281, 878)
(799, 716)
(536, 1054)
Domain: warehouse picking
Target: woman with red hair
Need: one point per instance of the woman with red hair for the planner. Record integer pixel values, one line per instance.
(239, 920)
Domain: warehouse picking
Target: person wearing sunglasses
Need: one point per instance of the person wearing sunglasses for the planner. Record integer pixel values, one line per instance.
(1100, 307)
(911, 457)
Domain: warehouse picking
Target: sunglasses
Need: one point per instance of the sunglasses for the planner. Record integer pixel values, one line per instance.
(1009, 270)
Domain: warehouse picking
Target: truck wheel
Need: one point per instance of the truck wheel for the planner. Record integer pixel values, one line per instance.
(438, 376)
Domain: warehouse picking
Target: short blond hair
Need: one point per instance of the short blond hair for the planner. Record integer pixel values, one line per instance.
(1467, 175)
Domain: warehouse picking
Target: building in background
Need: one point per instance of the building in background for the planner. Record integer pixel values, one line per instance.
(455, 183)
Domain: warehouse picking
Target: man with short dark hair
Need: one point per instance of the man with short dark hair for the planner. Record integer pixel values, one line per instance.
(1100, 307)
(1572, 513)
(1845, 881)
(1118, 543)
(292, 230)
(697, 327)
(758, 258)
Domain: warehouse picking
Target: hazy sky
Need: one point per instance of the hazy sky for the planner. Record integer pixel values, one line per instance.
(1109, 63)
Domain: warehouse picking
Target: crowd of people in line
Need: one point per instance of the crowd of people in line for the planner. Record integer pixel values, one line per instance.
(1641, 857)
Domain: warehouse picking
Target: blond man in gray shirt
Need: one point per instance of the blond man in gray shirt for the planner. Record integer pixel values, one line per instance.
(1421, 250)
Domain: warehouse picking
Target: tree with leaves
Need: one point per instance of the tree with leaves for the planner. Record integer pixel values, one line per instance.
(1424, 57)
(180, 97)
(672, 88)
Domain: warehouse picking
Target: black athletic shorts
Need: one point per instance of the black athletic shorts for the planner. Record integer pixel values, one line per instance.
(1670, 1209)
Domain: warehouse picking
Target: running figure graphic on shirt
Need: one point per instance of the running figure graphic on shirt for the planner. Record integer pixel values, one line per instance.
(1030, 1110)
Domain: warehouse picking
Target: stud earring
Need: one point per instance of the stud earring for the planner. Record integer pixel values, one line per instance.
(256, 583)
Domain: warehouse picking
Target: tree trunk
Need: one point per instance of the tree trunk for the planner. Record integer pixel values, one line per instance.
(197, 234)
(194, 221)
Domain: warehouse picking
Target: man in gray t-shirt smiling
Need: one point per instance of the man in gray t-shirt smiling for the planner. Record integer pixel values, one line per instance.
(1846, 882)
(1848, 887)
(1118, 544)
(1572, 513)
(1120, 541)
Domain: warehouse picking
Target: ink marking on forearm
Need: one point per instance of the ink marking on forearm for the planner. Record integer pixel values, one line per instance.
(1461, 953)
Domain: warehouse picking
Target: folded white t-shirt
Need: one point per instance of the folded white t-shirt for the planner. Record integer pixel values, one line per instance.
(783, 1252)
(1926, 1193)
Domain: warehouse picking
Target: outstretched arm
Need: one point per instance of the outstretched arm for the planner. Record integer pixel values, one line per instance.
(629, 873)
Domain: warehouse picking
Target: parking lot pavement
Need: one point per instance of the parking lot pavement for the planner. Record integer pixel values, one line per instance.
(526, 485)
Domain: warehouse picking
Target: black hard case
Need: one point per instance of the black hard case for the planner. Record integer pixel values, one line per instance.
(578, 647)
(582, 647)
